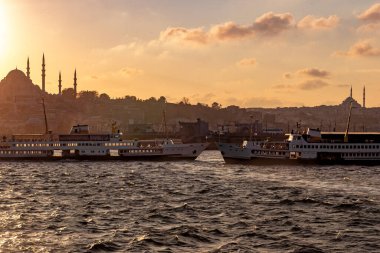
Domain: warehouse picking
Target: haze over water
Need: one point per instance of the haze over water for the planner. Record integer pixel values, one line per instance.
(188, 206)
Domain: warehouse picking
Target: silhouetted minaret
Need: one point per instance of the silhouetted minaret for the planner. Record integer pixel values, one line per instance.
(351, 92)
(364, 96)
(75, 82)
(60, 84)
(27, 68)
(43, 72)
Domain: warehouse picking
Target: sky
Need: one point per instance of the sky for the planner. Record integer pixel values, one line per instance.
(250, 53)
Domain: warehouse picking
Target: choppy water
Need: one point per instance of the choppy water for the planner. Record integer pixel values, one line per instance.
(188, 206)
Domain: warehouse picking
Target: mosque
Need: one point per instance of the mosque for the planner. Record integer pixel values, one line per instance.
(18, 86)
(346, 103)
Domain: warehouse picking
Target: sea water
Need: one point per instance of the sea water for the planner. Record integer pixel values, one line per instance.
(204, 205)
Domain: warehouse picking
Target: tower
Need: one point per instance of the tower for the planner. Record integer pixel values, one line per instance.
(351, 92)
(43, 73)
(75, 82)
(60, 84)
(27, 68)
(364, 96)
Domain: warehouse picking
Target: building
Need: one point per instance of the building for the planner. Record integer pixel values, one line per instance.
(194, 130)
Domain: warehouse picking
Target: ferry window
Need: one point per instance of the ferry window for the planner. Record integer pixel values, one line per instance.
(297, 146)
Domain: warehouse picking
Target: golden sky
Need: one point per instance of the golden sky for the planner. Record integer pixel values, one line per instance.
(251, 53)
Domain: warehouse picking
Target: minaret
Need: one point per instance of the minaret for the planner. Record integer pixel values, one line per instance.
(351, 92)
(75, 82)
(60, 84)
(43, 73)
(27, 68)
(364, 96)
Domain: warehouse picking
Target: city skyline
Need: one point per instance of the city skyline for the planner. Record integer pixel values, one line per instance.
(247, 53)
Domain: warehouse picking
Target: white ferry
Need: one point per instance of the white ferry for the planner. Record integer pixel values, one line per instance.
(256, 150)
(80, 144)
(313, 145)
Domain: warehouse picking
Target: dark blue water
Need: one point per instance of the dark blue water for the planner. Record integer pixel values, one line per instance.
(188, 206)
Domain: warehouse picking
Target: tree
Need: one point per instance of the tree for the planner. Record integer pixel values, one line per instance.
(216, 105)
(185, 101)
(151, 99)
(130, 98)
(104, 97)
(162, 100)
(88, 95)
(68, 93)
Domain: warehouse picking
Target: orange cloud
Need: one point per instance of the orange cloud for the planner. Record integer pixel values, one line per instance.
(230, 31)
(196, 35)
(313, 22)
(314, 72)
(247, 62)
(271, 23)
(372, 14)
(268, 24)
(129, 72)
(282, 86)
(369, 28)
(313, 84)
(362, 48)
(287, 75)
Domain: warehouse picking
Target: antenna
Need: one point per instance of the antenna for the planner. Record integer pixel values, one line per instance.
(165, 126)
(250, 129)
(348, 124)
(46, 123)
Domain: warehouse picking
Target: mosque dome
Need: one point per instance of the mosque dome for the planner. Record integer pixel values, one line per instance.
(348, 101)
(16, 73)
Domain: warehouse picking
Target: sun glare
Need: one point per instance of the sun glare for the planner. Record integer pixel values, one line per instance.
(3, 27)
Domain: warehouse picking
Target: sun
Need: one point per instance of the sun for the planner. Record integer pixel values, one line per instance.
(3, 29)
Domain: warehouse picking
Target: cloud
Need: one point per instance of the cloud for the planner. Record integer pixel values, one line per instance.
(287, 75)
(272, 24)
(368, 71)
(282, 86)
(247, 62)
(369, 28)
(372, 14)
(312, 84)
(269, 24)
(362, 48)
(313, 22)
(342, 86)
(314, 72)
(196, 35)
(129, 72)
(230, 31)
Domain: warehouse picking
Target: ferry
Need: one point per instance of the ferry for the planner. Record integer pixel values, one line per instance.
(311, 146)
(81, 144)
